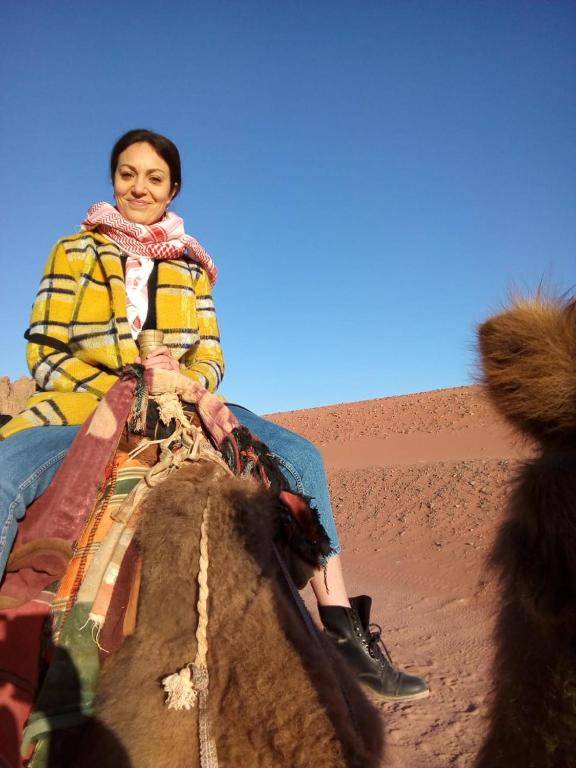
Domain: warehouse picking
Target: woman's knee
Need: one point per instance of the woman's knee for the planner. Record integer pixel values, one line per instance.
(28, 462)
(302, 461)
(298, 450)
(305, 457)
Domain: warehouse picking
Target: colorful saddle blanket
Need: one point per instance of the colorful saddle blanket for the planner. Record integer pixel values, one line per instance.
(87, 549)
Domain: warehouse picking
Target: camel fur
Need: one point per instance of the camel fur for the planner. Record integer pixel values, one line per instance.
(529, 364)
(278, 698)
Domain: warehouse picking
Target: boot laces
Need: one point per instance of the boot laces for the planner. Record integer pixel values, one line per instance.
(376, 645)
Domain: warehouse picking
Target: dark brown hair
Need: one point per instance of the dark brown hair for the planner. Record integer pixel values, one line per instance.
(167, 150)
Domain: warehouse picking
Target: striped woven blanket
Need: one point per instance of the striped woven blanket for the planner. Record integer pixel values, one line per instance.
(83, 602)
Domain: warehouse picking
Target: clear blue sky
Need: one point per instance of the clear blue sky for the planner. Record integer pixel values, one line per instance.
(371, 177)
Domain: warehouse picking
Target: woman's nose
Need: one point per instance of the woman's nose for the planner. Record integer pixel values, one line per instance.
(139, 186)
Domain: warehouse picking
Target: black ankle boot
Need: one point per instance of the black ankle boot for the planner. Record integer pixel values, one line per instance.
(361, 645)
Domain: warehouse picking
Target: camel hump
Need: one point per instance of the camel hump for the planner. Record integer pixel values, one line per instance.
(528, 360)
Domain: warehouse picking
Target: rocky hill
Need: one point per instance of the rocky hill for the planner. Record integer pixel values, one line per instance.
(13, 394)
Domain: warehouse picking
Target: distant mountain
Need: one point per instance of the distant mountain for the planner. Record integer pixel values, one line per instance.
(13, 394)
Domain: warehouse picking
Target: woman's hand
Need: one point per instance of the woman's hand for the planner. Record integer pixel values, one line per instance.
(162, 359)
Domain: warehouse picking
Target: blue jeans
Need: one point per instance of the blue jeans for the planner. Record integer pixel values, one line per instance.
(301, 463)
(29, 460)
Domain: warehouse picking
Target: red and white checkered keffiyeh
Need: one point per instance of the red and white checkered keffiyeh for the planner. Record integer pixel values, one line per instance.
(164, 240)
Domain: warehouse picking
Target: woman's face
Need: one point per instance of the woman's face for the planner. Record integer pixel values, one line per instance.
(142, 185)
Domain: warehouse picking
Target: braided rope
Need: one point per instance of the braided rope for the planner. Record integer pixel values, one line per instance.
(188, 686)
(208, 754)
(203, 591)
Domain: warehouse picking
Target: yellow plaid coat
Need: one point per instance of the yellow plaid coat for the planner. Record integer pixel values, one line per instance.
(79, 338)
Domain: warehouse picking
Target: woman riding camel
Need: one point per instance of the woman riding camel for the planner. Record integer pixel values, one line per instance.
(133, 267)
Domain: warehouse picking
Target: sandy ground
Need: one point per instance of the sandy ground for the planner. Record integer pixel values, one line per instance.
(418, 486)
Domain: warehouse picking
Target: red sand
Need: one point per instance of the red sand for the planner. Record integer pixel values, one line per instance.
(418, 486)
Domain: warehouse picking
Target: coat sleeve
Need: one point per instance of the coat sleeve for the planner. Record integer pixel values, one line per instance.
(204, 363)
(50, 360)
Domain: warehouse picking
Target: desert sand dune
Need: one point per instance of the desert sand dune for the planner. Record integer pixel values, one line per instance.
(418, 485)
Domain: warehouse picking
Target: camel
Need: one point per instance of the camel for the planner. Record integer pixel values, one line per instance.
(529, 364)
(279, 696)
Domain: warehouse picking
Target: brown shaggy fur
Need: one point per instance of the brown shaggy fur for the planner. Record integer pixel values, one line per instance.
(529, 359)
(276, 696)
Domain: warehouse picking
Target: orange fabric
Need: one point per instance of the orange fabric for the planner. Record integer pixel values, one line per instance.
(97, 527)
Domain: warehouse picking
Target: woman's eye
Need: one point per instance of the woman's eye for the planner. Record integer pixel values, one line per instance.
(155, 179)
(125, 175)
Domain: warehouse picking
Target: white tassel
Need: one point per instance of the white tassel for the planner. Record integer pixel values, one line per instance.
(96, 624)
(180, 691)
